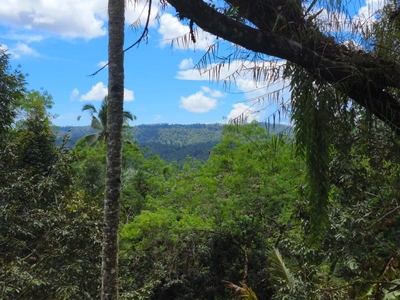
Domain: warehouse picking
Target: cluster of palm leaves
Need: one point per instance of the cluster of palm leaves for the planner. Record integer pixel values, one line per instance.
(99, 121)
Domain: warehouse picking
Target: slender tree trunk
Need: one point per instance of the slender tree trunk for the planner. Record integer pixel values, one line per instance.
(114, 149)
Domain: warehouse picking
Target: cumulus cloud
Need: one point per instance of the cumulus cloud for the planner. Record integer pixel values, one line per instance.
(201, 102)
(67, 19)
(187, 63)
(198, 103)
(99, 91)
(241, 109)
(172, 29)
(71, 19)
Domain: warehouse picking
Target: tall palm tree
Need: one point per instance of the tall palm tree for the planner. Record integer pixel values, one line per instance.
(99, 121)
(115, 116)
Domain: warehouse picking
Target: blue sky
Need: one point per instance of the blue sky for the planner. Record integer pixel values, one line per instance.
(58, 43)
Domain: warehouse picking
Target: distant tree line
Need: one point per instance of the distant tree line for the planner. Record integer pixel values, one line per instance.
(172, 142)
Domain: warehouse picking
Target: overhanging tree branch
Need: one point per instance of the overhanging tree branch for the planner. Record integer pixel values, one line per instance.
(350, 71)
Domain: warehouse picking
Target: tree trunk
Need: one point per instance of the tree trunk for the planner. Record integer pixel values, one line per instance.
(114, 149)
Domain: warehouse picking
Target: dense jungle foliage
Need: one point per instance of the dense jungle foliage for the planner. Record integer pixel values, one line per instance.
(234, 226)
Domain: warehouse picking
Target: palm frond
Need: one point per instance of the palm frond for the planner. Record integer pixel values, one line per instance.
(99, 122)
(279, 271)
(128, 116)
(90, 107)
(91, 139)
(102, 115)
(96, 124)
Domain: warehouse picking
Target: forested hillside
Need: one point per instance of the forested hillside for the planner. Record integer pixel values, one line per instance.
(172, 142)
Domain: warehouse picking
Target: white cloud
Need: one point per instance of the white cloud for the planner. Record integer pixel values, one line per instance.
(201, 102)
(157, 117)
(240, 109)
(212, 93)
(231, 71)
(99, 91)
(241, 73)
(137, 13)
(251, 89)
(264, 100)
(213, 71)
(172, 29)
(21, 49)
(128, 95)
(27, 38)
(366, 15)
(330, 20)
(24, 49)
(187, 63)
(192, 74)
(198, 103)
(71, 19)
(74, 94)
(367, 12)
(67, 19)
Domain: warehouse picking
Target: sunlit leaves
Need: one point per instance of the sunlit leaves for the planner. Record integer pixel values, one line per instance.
(214, 215)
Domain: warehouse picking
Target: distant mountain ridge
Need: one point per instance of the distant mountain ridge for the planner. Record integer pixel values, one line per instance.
(172, 142)
(176, 134)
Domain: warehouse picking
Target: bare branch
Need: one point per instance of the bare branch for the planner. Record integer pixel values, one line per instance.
(142, 36)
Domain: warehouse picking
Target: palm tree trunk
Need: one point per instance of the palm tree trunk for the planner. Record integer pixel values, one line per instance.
(114, 148)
